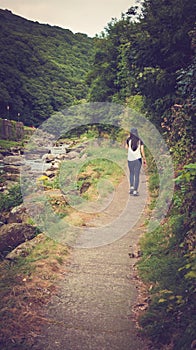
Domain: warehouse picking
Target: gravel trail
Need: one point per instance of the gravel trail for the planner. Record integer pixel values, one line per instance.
(93, 309)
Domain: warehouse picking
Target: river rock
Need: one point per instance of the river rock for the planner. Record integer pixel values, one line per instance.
(49, 173)
(72, 155)
(62, 156)
(25, 248)
(11, 169)
(49, 157)
(84, 156)
(4, 215)
(2, 187)
(17, 150)
(12, 177)
(15, 160)
(18, 214)
(5, 152)
(54, 166)
(11, 235)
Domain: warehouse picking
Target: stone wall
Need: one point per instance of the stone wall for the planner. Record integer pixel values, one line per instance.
(11, 130)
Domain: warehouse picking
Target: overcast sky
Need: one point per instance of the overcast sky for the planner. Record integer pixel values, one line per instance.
(84, 16)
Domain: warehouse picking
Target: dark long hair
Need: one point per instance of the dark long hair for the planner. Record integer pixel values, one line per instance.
(134, 139)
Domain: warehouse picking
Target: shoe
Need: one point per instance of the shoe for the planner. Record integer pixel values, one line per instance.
(135, 193)
(131, 190)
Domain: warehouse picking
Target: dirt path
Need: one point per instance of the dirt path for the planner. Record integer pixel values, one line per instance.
(93, 309)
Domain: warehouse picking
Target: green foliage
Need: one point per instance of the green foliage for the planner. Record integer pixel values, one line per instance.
(165, 27)
(11, 199)
(135, 102)
(153, 178)
(169, 265)
(171, 272)
(188, 174)
(42, 68)
(7, 144)
(109, 77)
(168, 261)
(144, 56)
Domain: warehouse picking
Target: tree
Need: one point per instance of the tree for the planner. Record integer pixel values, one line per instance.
(160, 47)
(109, 61)
(143, 56)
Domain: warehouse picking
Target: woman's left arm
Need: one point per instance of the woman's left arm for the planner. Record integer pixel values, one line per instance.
(143, 154)
(127, 144)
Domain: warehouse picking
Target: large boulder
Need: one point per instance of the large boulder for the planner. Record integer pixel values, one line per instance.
(11, 235)
(25, 248)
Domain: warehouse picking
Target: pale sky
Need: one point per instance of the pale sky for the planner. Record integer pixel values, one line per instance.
(84, 16)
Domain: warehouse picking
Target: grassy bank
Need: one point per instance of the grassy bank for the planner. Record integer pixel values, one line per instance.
(26, 285)
(168, 265)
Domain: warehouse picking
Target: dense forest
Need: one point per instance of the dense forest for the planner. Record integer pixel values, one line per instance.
(145, 54)
(146, 61)
(42, 68)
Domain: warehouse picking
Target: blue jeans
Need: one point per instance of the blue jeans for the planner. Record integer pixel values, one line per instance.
(134, 170)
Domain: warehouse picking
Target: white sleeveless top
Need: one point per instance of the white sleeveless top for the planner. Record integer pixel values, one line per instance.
(133, 155)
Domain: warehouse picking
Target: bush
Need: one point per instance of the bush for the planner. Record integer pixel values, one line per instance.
(12, 199)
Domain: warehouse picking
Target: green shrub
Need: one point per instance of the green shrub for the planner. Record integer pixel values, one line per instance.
(12, 199)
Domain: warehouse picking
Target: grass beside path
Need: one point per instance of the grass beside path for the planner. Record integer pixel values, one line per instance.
(25, 287)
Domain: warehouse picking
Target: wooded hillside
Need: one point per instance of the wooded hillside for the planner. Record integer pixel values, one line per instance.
(42, 68)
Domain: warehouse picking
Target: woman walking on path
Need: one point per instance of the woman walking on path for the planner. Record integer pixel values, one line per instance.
(136, 154)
